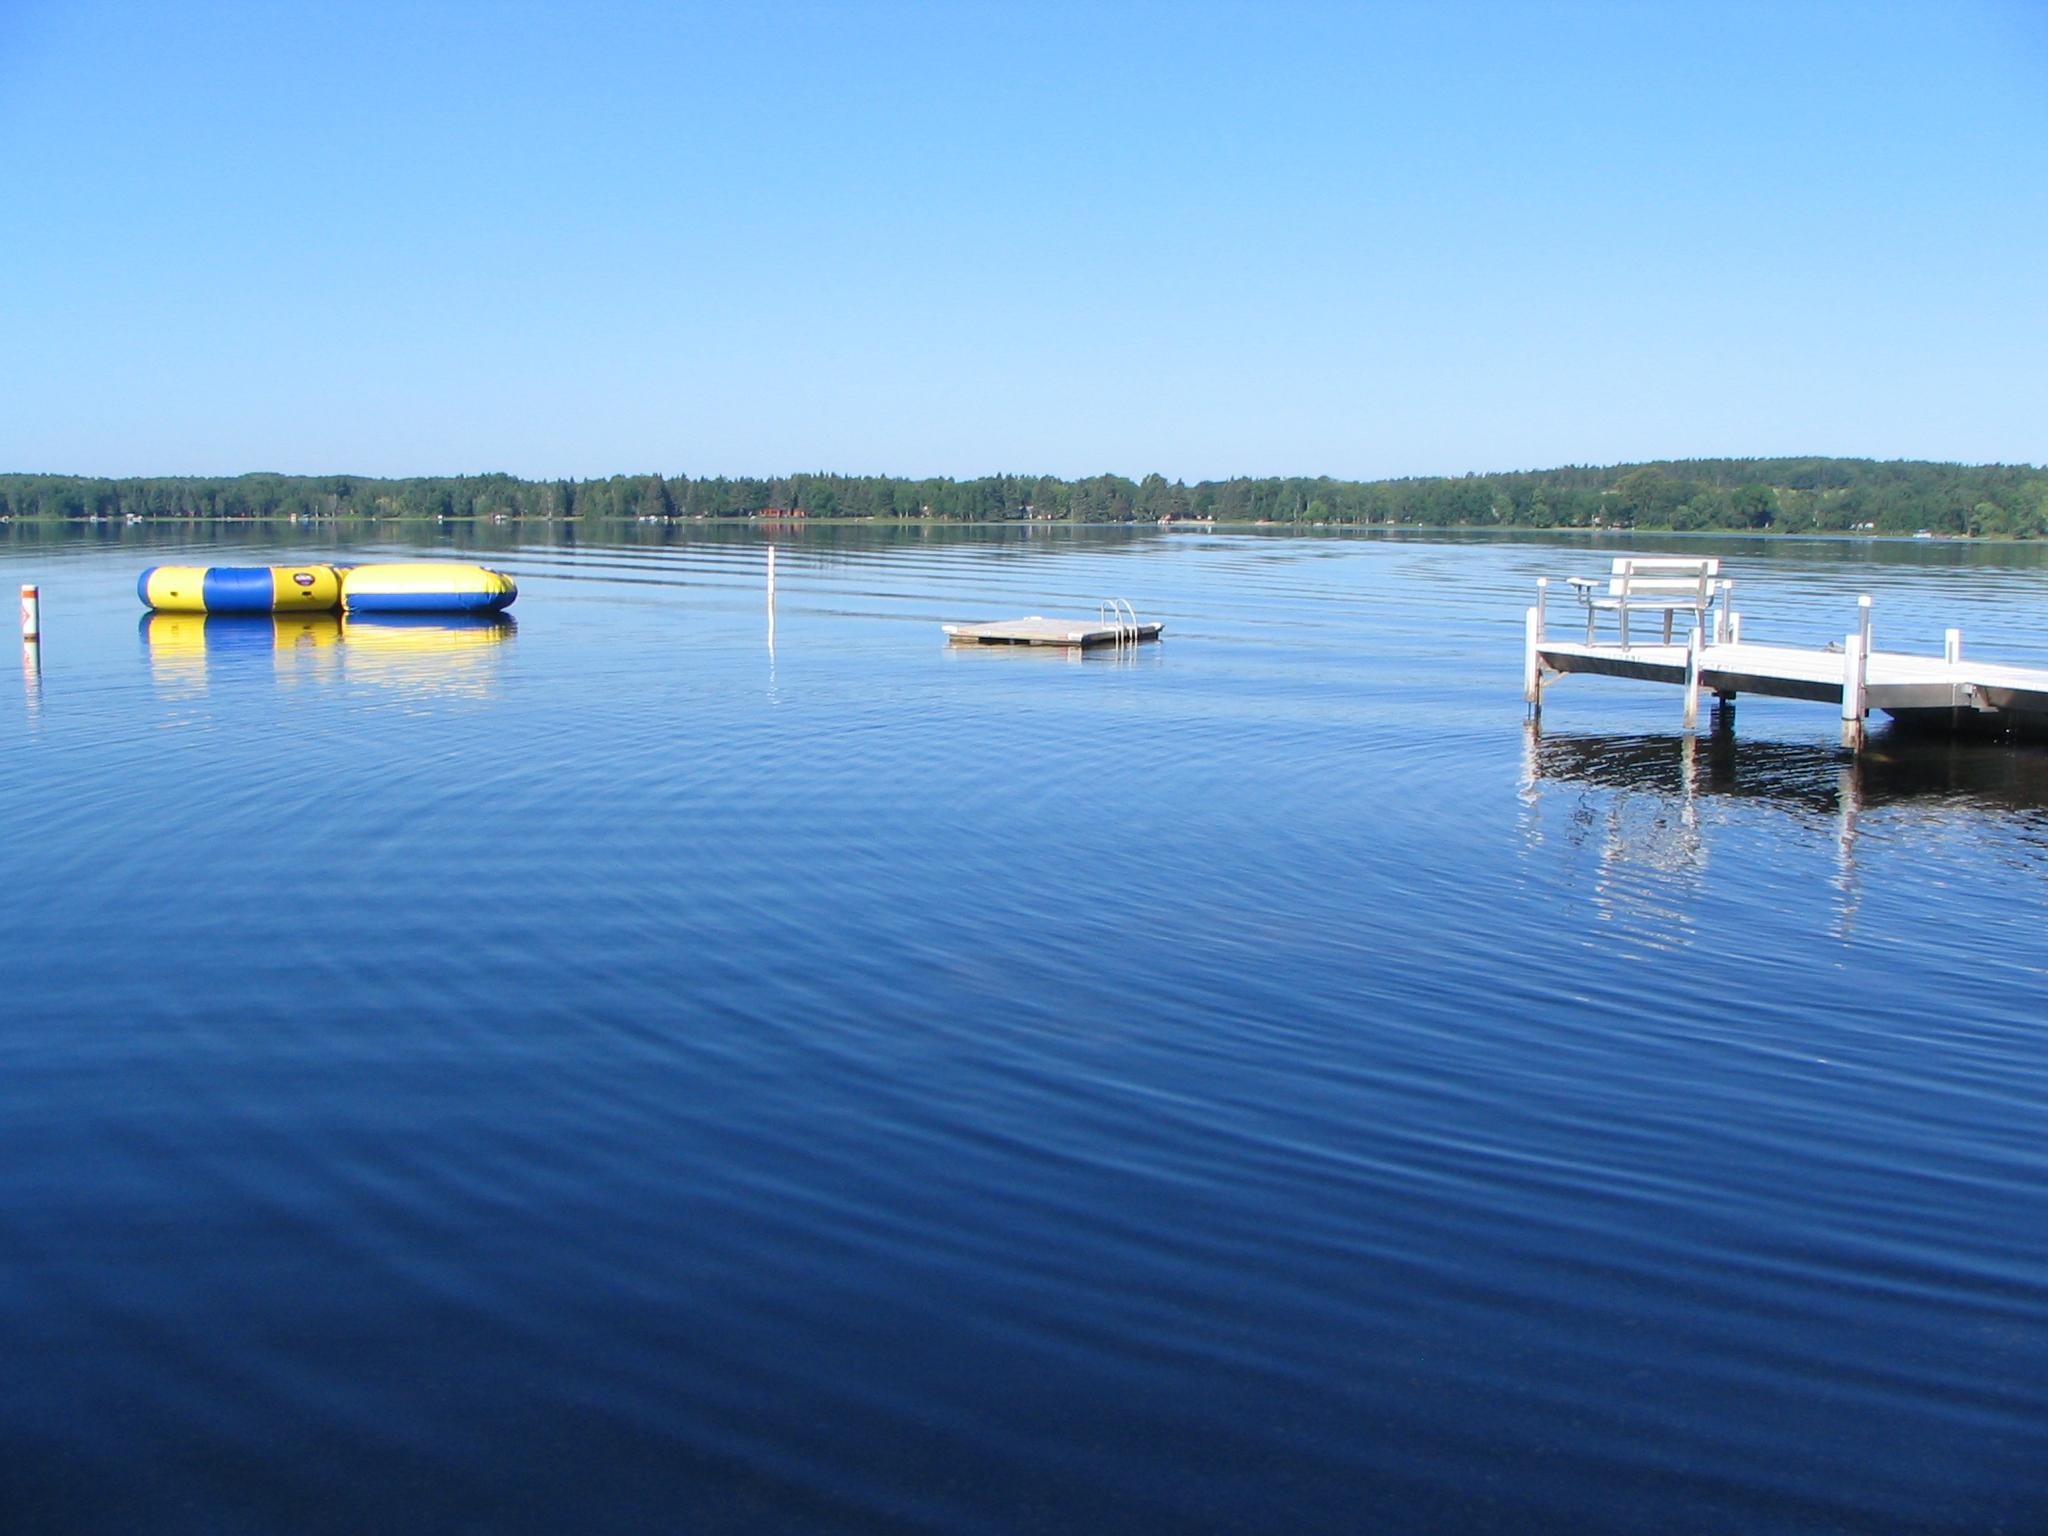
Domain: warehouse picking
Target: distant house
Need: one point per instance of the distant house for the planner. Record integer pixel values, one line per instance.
(780, 512)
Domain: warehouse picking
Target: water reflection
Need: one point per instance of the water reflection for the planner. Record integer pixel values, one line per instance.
(1810, 779)
(32, 676)
(1648, 814)
(442, 655)
(1117, 657)
(435, 654)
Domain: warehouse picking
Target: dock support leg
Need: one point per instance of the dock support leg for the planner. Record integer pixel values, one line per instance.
(1855, 685)
(1692, 679)
(1532, 662)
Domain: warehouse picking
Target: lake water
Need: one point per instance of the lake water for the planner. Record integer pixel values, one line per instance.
(655, 1070)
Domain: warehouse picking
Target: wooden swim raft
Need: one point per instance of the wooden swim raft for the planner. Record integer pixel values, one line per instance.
(1117, 624)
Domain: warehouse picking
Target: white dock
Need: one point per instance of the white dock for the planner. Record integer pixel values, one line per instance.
(1946, 692)
(1039, 630)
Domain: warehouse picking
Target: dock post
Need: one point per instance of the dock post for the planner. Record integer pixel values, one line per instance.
(1721, 625)
(1855, 684)
(31, 613)
(1532, 653)
(1952, 646)
(1692, 679)
(1863, 623)
(771, 575)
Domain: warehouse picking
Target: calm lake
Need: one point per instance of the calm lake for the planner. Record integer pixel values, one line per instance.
(653, 1068)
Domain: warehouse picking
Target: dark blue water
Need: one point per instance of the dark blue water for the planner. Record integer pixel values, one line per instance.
(648, 1070)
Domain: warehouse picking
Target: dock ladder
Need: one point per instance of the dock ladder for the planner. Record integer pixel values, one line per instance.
(1117, 614)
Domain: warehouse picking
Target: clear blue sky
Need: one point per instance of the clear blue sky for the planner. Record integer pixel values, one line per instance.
(1202, 239)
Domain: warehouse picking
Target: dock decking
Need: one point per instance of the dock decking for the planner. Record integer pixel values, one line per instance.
(1039, 630)
(1945, 691)
(1893, 681)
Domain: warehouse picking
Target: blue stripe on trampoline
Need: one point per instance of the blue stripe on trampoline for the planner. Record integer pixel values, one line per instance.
(428, 602)
(142, 585)
(239, 589)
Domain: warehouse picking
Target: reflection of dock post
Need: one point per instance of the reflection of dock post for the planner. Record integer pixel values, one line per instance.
(1849, 807)
(32, 674)
(1532, 657)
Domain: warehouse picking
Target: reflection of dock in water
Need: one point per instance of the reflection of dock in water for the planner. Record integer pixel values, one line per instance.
(1650, 817)
(1894, 767)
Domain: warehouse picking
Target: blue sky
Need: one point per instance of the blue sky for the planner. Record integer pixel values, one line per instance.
(1205, 240)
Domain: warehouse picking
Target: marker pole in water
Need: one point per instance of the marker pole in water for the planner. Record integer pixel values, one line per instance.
(771, 575)
(31, 613)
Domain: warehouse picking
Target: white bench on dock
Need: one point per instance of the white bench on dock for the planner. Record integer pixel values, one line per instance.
(1647, 584)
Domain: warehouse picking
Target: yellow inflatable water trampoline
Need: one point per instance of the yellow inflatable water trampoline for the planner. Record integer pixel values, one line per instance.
(241, 588)
(401, 587)
(426, 588)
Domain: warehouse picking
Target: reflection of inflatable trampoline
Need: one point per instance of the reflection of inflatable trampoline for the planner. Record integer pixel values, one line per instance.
(198, 634)
(193, 634)
(419, 634)
(418, 653)
(422, 587)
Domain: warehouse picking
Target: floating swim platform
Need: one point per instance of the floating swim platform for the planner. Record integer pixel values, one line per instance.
(1039, 630)
(405, 587)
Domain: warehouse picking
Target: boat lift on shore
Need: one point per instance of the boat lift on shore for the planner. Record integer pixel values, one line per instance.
(1946, 692)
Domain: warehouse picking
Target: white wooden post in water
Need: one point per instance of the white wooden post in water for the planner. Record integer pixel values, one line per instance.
(771, 575)
(1532, 657)
(1855, 682)
(1952, 646)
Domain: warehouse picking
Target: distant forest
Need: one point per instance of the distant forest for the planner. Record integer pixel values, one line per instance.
(1785, 495)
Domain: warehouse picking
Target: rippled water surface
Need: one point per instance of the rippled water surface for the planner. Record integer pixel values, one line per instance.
(658, 1069)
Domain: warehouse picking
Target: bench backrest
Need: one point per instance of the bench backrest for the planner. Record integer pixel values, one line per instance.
(1663, 582)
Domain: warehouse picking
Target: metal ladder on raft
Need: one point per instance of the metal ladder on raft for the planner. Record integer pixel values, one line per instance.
(1116, 613)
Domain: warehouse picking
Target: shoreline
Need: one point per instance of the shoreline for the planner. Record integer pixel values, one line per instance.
(794, 524)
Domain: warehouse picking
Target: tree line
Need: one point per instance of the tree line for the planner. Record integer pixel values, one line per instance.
(1793, 495)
